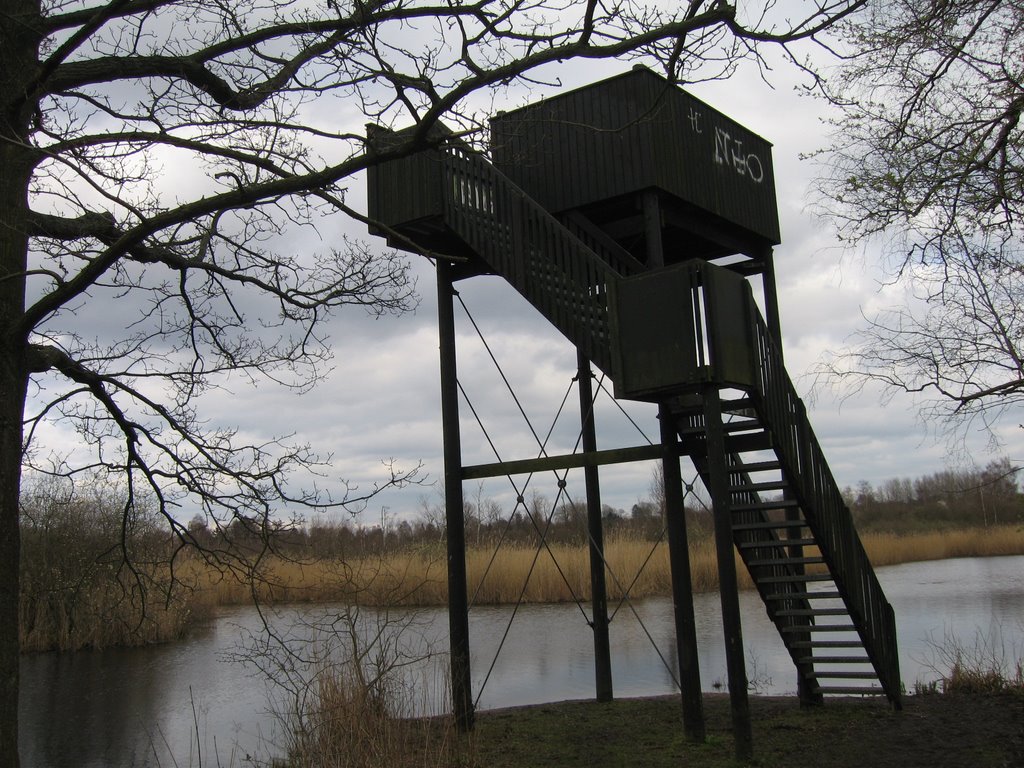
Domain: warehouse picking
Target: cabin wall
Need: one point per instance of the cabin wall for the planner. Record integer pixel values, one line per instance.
(634, 132)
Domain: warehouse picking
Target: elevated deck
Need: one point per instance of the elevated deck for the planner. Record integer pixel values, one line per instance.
(634, 159)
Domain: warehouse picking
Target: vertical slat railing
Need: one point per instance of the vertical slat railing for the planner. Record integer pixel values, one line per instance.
(519, 240)
(826, 512)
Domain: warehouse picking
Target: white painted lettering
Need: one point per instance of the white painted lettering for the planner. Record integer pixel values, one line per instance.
(739, 160)
(756, 175)
(695, 121)
(729, 151)
(722, 140)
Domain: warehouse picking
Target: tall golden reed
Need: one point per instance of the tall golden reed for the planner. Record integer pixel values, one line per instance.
(556, 574)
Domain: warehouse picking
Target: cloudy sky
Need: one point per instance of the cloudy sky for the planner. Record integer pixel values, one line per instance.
(381, 401)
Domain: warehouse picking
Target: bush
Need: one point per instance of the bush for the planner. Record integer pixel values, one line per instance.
(984, 668)
(94, 574)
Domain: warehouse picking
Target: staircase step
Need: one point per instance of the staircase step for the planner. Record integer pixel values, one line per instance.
(737, 404)
(811, 644)
(787, 561)
(794, 578)
(748, 442)
(772, 485)
(742, 425)
(778, 543)
(756, 466)
(823, 595)
(813, 612)
(696, 406)
(767, 505)
(804, 628)
(836, 674)
(769, 525)
(731, 428)
(850, 690)
(834, 660)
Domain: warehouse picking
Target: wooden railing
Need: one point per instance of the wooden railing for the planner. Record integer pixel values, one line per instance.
(781, 411)
(827, 515)
(554, 270)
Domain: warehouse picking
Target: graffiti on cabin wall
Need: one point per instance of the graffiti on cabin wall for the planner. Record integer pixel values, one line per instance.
(695, 116)
(729, 151)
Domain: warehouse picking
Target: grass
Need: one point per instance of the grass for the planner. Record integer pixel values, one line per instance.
(887, 549)
(352, 722)
(417, 577)
(356, 709)
(982, 731)
(986, 667)
(105, 606)
(979, 731)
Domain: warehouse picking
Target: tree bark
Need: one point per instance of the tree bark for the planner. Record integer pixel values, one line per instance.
(18, 61)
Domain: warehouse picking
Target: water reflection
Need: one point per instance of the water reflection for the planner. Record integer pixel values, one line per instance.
(184, 705)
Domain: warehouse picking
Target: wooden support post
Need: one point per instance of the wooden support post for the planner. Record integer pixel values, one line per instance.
(652, 229)
(771, 298)
(682, 585)
(458, 602)
(598, 589)
(718, 472)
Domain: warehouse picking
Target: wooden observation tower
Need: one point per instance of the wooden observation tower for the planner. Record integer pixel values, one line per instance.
(634, 217)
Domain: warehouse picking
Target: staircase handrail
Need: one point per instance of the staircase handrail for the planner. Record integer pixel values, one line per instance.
(552, 268)
(798, 449)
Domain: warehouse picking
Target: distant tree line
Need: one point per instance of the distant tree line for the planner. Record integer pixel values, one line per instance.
(487, 524)
(952, 498)
(948, 499)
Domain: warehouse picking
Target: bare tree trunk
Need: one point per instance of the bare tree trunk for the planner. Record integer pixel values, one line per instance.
(18, 62)
(12, 401)
(12, 398)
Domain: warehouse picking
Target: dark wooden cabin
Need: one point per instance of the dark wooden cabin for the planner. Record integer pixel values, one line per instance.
(611, 149)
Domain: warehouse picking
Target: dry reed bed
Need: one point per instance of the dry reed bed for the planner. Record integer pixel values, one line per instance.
(557, 574)
(102, 615)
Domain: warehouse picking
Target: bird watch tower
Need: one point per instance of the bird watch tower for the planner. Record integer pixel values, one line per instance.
(636, 218)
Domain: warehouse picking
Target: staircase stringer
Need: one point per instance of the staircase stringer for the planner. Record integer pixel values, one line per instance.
(816, 492)
(747, 543)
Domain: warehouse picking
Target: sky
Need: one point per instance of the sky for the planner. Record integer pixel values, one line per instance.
(381, 400)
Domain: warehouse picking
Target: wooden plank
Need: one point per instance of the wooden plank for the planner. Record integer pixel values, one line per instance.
(567, 461)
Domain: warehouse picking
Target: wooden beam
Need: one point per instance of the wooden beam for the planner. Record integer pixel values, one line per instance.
(566, 461)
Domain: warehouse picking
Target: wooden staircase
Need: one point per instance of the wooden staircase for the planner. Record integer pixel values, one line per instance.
(788, 520)
(817, 606)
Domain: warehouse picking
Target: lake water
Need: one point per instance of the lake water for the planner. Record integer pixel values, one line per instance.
(189, 704)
